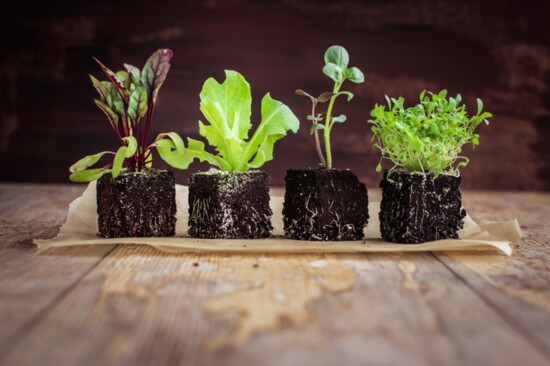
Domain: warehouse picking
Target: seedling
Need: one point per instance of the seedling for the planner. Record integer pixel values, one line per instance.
(128, 100)
(227, 108)
(233, 202)
(428, 137)
(336, 68)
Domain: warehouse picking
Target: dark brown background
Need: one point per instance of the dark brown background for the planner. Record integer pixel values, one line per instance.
(496, 50)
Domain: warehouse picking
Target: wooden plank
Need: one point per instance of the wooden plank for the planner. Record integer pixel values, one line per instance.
(139, 306)
(32, 284)
(345, 309)
(36, 203)
(517, 287)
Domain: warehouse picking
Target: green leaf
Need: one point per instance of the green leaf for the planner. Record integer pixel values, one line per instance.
(119, 160)
(119, 107)
(227, 106)
(132, 146)
(174, 139)
(111, 93)
(334, 72)
(112, 116)
(356, 76)
(277, 119)
(123, 153)
(172, 150)
(86, 162)
(137, 105)
(111, 75)
(315, 127)
(346, 93)
(422, 95)
(134, 73)
(388, 100)
(338, 56)
(87, 175)
(103, 92)
(317, 118)
(339, 119)
(149, 160)
(123, 78)
(379, 168)
(196, 148)
(479, 106)
(154, 72)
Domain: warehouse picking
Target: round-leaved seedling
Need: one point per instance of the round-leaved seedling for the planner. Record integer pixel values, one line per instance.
(336, 68)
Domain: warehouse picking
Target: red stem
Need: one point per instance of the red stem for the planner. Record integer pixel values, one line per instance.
(149, 121)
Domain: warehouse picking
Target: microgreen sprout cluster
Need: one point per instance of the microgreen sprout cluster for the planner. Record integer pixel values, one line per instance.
(336, 68)
(427, 137)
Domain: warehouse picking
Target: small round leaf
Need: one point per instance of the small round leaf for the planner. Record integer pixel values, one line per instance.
(356, 76)
(337, 55)
(315, 127)
(334, 72)
(339, 119)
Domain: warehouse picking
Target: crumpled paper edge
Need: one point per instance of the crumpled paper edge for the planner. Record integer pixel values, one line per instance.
(81, 228)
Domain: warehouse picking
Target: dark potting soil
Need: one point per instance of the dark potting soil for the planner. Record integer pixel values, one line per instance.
(229, 205)
(324, 204)
(137, 204)
(416, 208)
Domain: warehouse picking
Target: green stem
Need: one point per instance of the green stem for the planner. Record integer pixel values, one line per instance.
(328, 125)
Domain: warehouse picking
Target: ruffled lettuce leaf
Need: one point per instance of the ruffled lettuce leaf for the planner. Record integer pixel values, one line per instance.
(227, 108)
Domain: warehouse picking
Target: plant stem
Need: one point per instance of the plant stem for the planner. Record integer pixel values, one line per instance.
(317, 141)
(328, 125)
(148, 124)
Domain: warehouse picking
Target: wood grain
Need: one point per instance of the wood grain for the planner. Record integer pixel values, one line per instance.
(31, 284)
(518, 287)
(134, 305)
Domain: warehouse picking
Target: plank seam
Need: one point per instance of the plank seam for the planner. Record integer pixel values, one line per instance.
(28, 326)
(533, 340)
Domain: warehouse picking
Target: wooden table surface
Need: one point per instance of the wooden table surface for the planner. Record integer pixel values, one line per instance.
(133, 305)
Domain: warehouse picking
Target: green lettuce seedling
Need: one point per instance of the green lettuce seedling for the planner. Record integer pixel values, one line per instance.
(336, 68)
(128, 100)
(227, 108)
(428, 137)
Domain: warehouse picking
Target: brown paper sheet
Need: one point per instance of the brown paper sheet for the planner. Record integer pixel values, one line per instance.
(81, 229)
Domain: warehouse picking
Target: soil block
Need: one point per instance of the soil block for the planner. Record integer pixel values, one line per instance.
(137, 204)
(416, 208)
(229, 205)
(324, 204)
